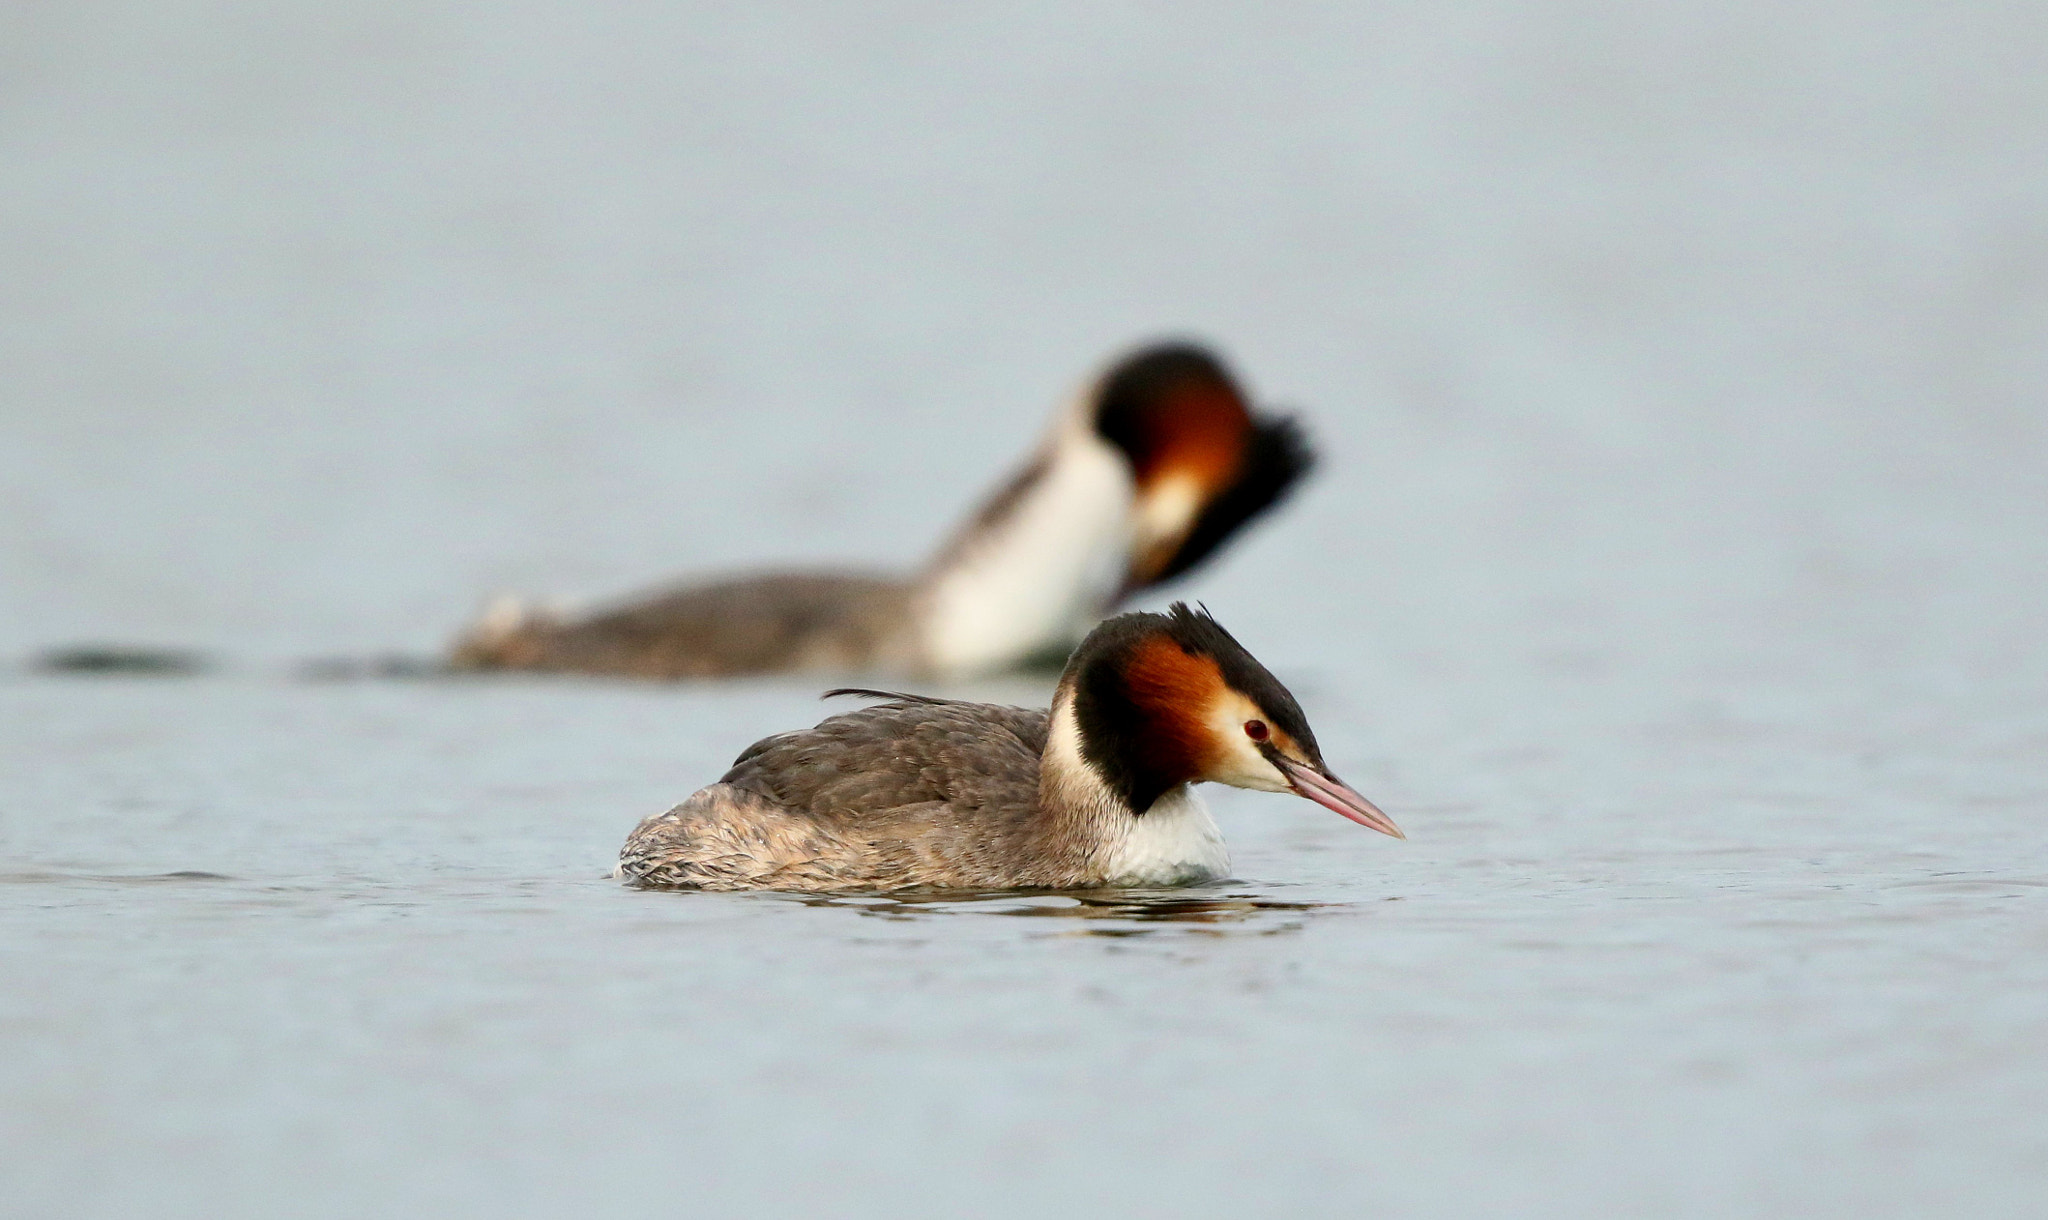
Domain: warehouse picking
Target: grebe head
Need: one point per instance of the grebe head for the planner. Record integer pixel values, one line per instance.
(1144, 474)
(1202, 464)
(1161, 700)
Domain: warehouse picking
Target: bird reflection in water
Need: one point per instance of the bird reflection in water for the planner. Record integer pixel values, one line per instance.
(1101, 912)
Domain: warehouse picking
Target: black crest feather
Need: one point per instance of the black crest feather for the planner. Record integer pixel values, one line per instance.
(892, 696)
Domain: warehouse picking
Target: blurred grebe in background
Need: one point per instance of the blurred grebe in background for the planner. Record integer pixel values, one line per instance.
(934, 793)
(1149, 471)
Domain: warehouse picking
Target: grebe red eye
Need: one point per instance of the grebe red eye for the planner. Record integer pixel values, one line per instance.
(1256, 730)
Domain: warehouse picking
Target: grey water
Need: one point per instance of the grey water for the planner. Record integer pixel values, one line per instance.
(1674, 576)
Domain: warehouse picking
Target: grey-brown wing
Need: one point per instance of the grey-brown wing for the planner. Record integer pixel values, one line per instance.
(975, 758)
(1029, 725)
(778, 622)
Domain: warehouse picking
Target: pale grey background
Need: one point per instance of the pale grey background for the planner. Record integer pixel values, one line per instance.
(326, 320)
(1675, 575)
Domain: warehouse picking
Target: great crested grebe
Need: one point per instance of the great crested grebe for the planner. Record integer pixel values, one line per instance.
(937, 794)
(1143, 477)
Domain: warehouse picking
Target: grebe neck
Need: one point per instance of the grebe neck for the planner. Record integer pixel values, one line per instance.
(1174, 841)
(1035, 566)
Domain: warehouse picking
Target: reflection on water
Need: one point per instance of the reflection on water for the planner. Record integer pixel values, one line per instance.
(56, 878)
(121, 659)
(1102, 912)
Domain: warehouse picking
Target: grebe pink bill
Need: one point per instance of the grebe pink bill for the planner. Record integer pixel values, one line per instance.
(1151, 469)
(922, 793)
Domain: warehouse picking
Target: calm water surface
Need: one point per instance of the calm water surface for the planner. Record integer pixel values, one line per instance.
(336, 948)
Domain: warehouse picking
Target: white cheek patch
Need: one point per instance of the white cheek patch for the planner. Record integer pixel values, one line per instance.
(1243, 764)
(1166, 509)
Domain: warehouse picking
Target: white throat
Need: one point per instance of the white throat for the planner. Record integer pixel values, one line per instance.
(1175, 842)
(1035, 574)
